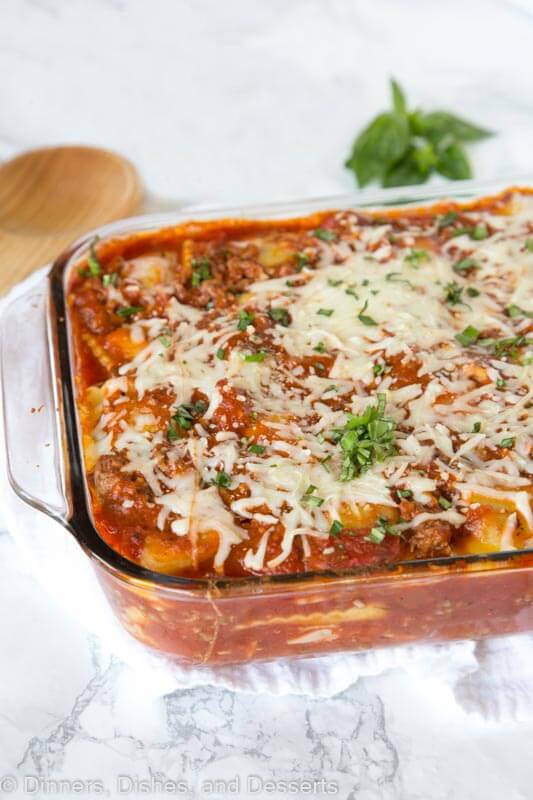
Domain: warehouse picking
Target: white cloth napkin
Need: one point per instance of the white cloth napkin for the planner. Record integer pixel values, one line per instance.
(493, 678)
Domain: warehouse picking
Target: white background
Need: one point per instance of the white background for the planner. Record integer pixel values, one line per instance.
(229, 102)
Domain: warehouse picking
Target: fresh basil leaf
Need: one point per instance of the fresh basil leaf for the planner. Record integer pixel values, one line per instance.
(399, 102)
(425, 158)
(380, 145)
(453, 163)
(405, 172)
(438, 125)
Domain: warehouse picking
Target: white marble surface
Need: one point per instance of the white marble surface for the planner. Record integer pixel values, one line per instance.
(227, 103)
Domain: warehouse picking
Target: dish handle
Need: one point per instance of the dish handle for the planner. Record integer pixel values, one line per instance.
(32, 428)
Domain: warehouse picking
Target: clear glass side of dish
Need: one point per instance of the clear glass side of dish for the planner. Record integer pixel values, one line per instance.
(222, 621)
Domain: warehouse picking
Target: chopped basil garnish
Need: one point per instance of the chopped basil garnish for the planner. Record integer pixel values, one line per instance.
(417, 257)
(365, 439)
(251, 357)
(222, 479)
(380, 530)
(201, 271)
(257, 449)
(468, 336)
(507, 442)
(515, 311)
(444, 503)
(392, 278)
(280, 315)
(336, 527)
(479, 232)
(186, 413)
(110, 279)
(245, 318)
(454, 293)
(364, 318)
(405, 494)
(446, 219)
(476, 427)
(302, 260)
(128, 311)
(465, 264)
(95, 268)
(310, 498)
(325, 312)
(325, 235)
(220, 353)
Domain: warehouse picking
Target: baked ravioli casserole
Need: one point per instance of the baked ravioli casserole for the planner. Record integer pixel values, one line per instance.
(288, 396)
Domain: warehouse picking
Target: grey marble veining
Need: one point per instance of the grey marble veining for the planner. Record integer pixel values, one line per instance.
(236, 102)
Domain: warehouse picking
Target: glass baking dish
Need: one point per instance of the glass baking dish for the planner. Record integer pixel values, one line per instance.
(227, 621)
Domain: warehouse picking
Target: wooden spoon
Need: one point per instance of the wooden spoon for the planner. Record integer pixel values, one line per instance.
(49, 197)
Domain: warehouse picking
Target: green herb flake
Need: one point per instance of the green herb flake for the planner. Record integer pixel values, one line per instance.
(528, 244)
(454, 293)
(444, 503)
(95, 268)
(405, 494)
(392, 277)
(220, 354)
(201, 271)
(222, 479)
(310, 498)
(186, 413)
(468, 336)
(257, 449)
(364, 318)
(476, 427)
(351, 291)
(500, 383)
(320, 347)
(336, 527)
(302, 260)
(506, 347)
(165, 340)
(172, 433)
(509, 442)
(472, 291)
(325, 312)
(325, 235)
(465, 264)
(128, 311)
(110, 279)
(280, 315)
(378, 369)
(515, 311)
(417, 257)
(259, 356)
(246, 318)
(479, 232)
(380, 530)
(446, 219)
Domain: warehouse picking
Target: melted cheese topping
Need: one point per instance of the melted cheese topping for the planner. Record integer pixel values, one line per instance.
(378, 305)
